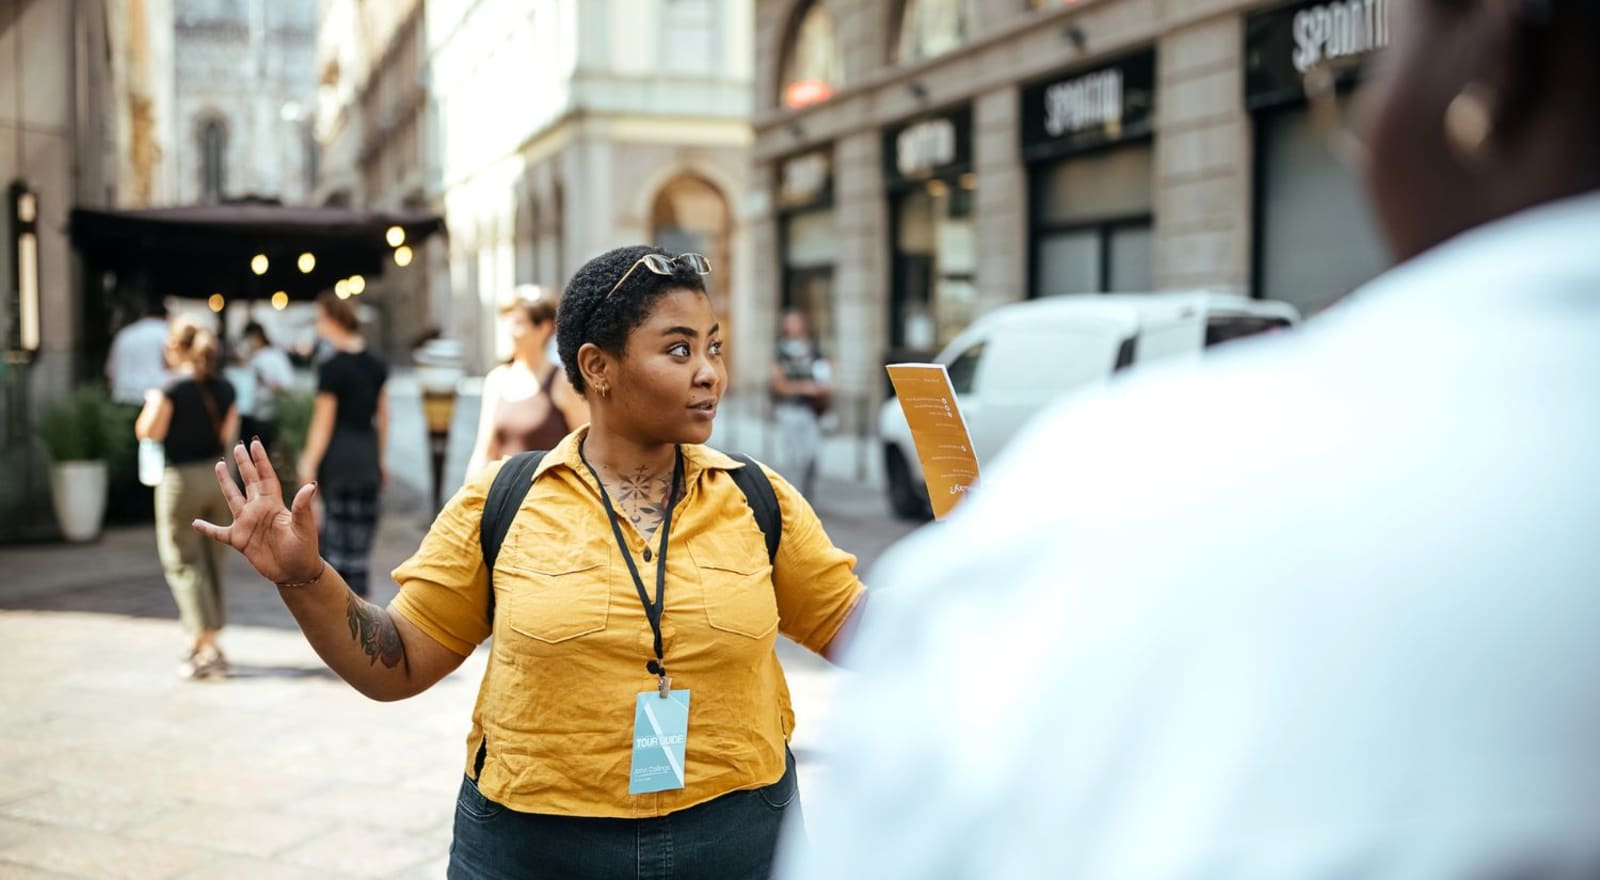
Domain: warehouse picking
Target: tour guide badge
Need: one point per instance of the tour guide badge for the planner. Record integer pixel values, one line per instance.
(660, 727)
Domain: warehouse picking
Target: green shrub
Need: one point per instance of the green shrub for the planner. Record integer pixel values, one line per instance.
(76, 427)
(122, 445)
(294, 423)
(294, 419)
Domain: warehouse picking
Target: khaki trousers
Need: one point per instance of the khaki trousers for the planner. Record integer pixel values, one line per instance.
(193, 562)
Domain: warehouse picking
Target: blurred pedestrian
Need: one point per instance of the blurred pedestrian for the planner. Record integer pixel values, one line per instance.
(1321, 606)
(268, 376)
(587, 698)
(346, 441)
(802, 387)
(194, 418)
(136, 364)
(528, 403)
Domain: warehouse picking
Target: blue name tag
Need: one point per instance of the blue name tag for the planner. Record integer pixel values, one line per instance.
(660, 729)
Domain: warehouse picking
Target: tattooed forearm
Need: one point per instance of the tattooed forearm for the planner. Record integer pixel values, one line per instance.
(372, 628)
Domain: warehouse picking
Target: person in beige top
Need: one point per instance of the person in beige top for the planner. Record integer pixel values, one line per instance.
(528, 403)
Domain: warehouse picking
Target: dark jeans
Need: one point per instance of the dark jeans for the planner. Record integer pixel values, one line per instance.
(730, 838)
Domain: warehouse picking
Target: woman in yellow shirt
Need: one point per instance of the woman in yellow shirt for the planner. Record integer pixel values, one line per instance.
(633, 719)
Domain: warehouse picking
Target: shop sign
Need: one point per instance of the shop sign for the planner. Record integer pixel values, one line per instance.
(1089, 109)
(1283, 45)
(930, 147)
(805, 180)
(1088, 102)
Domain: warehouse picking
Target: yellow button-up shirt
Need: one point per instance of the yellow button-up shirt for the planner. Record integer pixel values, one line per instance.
(555, 711)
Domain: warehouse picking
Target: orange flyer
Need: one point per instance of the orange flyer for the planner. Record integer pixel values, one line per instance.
(940, 433)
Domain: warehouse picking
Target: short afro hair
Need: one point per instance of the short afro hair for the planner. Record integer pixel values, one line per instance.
(588, 314)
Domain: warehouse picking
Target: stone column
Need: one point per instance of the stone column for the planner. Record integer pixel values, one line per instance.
(1203, 158)
(1002, 199)
(755, 298)
(860, 280)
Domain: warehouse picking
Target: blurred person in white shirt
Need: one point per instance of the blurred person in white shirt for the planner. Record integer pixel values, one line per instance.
(268, 375)
(1322, 606)
(136, 364)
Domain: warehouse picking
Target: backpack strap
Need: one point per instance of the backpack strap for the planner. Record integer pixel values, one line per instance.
(506, 493)
(757, 489)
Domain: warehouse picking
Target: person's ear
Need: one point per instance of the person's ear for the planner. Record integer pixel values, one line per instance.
(598, 369)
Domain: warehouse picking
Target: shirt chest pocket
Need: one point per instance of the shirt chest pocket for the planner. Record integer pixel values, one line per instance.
(736, 580)
(558, 596)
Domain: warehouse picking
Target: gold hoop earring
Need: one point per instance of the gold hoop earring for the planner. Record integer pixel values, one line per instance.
(1469, 125)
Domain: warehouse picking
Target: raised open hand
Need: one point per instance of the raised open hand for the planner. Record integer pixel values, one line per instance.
(279, 542)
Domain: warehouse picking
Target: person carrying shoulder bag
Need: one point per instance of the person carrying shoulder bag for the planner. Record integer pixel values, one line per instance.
(193, 417)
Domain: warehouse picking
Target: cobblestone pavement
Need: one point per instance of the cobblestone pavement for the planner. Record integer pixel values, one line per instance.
(112, 767)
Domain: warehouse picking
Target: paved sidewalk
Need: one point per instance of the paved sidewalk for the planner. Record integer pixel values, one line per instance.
(111, 767)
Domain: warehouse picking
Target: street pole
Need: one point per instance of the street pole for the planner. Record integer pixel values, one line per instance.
(439, 371)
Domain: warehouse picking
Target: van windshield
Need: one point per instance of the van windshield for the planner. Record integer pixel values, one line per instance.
(1220, 329)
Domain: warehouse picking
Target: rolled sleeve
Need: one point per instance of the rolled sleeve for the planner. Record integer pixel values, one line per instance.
(815, 581)
(444, 587)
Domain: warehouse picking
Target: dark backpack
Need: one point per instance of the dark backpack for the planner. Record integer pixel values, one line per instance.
(511, 486)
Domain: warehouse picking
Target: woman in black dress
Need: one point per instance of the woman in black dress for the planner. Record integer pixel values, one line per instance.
(346, 441)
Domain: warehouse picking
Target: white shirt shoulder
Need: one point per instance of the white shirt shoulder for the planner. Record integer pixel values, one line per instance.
(1323, 600)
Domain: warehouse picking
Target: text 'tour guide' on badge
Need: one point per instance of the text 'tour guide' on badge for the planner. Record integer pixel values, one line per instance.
(944, 446)
(660, 737)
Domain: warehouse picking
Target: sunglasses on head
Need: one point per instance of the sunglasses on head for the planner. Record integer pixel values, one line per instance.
(662, 264)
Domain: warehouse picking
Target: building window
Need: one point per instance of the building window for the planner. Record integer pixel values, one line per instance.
(313, 158)
(812, 69)
(808, 240)
(930, 28)
(213, 160)
(936, 264)
(932, 189)
(1092, 226)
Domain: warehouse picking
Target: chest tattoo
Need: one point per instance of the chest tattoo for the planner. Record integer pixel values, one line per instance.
(642, 498)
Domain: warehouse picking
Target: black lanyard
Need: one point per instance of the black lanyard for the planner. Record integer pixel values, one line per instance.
(652, 610)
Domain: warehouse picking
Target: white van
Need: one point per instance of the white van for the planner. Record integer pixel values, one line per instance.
(1013, 361)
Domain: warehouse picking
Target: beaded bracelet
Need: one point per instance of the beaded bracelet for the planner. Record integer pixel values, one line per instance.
(292, 585)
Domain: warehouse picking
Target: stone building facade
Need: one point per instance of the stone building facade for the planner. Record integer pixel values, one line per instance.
(372, 123)
(919, 162)
(566, 128)
(85, 120)
(245, 87)
(544, 132)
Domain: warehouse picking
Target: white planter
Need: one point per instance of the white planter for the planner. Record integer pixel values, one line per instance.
(78, 489)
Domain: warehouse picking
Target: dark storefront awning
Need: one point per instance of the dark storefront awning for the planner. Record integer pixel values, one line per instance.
(197, 250)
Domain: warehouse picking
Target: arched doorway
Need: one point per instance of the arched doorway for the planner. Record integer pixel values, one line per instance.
(690, 215)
